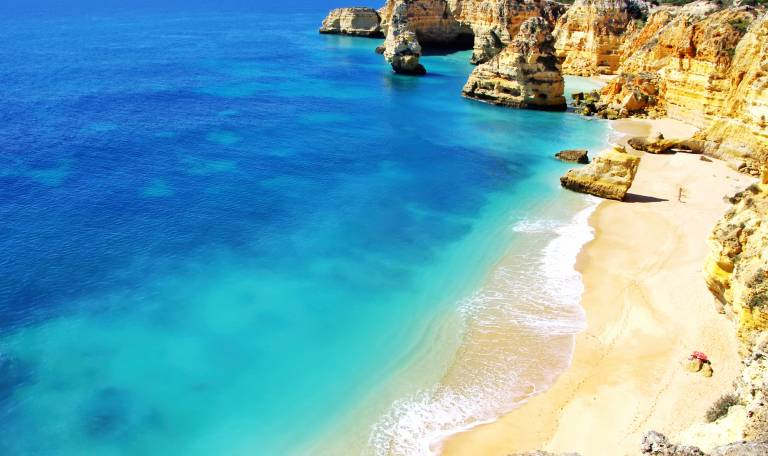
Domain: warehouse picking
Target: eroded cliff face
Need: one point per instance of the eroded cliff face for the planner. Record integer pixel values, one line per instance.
(402, 48)
(703, 66)
(526, 74)
(591, 33)
(736, 271)
(740, 129)
(737, 267)
(353, 21)
(487, 26)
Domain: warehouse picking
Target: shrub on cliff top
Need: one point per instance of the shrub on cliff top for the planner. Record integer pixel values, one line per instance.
(741, 25)
(720, 408)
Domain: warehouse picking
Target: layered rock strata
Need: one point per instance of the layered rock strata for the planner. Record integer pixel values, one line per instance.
(610, 175)
(591, 33)
(737, 268)
(353, 21)
(526, 74)
(736, 272)
(704, 66)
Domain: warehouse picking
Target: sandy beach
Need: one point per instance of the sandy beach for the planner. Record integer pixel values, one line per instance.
(647, 308)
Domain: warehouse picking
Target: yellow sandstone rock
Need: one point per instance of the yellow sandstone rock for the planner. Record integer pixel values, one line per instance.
(736, 270)
(526, 74)
(610, 175)
(353, 21)
(487, 26)
(402, 48)
(590, 34)
(704, 66)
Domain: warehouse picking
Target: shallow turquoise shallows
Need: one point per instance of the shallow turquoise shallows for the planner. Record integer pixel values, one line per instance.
(218, 235)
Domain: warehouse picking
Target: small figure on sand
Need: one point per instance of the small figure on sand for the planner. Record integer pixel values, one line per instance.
(699, 362)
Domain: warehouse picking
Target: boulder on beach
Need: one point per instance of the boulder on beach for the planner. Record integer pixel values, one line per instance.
(608, 176)
(574, 156)
(658, 144)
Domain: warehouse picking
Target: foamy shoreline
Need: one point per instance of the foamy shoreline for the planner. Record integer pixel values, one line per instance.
(644, 296)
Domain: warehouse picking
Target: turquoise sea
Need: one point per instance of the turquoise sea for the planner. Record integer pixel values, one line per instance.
(228, 234)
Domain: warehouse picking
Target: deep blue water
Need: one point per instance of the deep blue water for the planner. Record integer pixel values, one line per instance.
(219, 231)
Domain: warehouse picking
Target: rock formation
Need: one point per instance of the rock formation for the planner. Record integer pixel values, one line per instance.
(736, 272)
(704, 66)
(353, 21)
(608, 176)
(580, 156)
(590, 34)
(526, 74)
(402, 48)
(658, 144)
(737, 268)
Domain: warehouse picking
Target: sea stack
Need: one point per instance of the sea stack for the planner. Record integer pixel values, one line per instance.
(526, 74)
(608, 176)
(353, 21)
(402, 49)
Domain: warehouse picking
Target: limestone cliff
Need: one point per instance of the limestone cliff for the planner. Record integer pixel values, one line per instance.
(487, 26)
(526, 74)
(353, 21)
(402, 48)
(737, 268)
(736, 271)
(610, 175)
(591, 33)
(705, 66)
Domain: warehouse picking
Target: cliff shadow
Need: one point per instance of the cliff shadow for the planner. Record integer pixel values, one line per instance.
(635, 198)
(463, 42)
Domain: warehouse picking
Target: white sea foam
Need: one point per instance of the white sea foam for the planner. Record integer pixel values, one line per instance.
(540, 294)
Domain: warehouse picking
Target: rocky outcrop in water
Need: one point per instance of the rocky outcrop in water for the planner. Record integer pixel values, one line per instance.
(526, 74)
(402, 48)
(486, 26)
(610, 175)
(353, 21)
(580, 156)
(590, 34)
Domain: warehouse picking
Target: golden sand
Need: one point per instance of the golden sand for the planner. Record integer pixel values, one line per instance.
(647, 308)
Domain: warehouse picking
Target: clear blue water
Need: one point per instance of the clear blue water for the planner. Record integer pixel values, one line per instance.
(217, 232)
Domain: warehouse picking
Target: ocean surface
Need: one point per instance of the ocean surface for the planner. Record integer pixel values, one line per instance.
(228, 234)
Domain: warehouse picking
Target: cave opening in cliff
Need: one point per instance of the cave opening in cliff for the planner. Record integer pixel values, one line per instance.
(462, 41)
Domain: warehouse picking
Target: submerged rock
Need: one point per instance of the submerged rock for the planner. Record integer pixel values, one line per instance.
(574, 156)
(610, 175)
(526, 74)
(402, 49)
(14, 374)
(353, 21)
